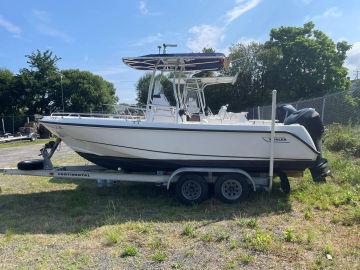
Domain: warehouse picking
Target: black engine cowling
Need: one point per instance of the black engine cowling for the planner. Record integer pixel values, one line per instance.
(311, 120)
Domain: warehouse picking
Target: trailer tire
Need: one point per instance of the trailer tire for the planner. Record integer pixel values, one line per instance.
(191, 188)
(33, 137)
(29, 165)
(232, 188)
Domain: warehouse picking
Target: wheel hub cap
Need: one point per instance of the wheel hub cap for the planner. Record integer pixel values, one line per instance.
(191, 190)
(231, 189)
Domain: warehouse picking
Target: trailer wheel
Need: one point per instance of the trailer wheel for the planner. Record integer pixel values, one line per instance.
(191, 188)
(33, 137)
(231, 188)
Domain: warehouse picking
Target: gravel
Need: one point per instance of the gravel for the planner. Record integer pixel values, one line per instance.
(9, 157)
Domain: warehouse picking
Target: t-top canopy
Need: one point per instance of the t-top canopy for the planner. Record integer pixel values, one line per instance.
(181, 61)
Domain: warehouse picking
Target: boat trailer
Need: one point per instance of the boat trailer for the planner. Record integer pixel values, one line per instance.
(191, 183)
(188, 181)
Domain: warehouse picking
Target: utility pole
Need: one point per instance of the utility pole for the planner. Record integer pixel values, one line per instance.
(356, 73)
(62, 92)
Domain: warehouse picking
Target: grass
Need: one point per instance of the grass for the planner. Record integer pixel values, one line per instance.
(289, 235)
(260, 241)
(247, 259)
(129, 251)
(159, 256)
(207, 237)
(189, 231)
(345, 139)
(48, 224)
(112, 236)
(22, 143)
(222, 235)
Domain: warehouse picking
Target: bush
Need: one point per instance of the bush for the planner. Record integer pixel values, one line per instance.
(343, 138)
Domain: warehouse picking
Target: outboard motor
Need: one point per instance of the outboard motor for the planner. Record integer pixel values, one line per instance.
(283, 111)
(310, 119)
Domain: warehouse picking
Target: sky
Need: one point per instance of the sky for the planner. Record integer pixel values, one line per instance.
(95, 35)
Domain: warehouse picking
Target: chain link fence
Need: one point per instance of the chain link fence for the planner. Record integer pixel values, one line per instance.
(342, 107)
(12, 123)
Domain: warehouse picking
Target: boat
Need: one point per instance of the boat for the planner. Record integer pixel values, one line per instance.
(165, 137)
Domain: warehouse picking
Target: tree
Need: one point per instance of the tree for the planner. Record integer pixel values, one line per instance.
(7, 99)
(142, 88)
(84, 91)
(40, 83)
(309, 63)
(300, 62)
(41, 87)
(249, 63)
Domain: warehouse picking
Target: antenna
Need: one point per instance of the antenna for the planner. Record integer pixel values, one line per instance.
(168, 45)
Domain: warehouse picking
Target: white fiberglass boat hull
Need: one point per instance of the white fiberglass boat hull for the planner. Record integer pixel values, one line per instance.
(141, 145)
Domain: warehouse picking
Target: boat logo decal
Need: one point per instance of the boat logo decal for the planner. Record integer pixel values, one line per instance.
(276, 139)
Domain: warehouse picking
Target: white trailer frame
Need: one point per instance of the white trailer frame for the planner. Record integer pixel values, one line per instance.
(101, 175)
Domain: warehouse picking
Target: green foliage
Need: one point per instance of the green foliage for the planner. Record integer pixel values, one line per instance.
(84, 91)
(324, 196)
(189, 231)
(9, 234)
(142, 88)
(328, 249)
(252, 223)
(234, 244)
(157, 243)
(300, 62)
(177, 265)
(346, 170)
(308, 214)
(208, 237)
(129, 251)
(9, 96)
(112, 236)
(159, 256)
(289, 235)
(261, 241)
(353, 217)
(343, 138)
(248, 62)
(222, 235)
(39, 88)
(247, 259)
(310, 63)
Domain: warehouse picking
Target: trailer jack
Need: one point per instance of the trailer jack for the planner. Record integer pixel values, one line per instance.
(45, 163)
